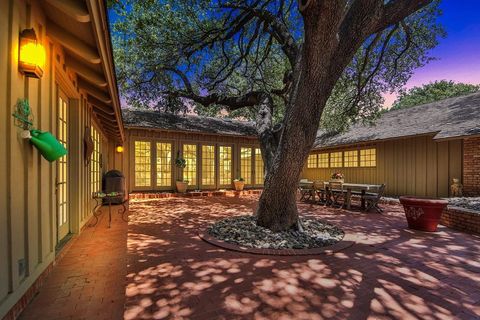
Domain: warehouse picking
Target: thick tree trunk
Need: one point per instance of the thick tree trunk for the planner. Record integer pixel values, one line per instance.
(314, 75)
(331, 40)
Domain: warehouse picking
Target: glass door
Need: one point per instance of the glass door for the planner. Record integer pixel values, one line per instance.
(63, 223)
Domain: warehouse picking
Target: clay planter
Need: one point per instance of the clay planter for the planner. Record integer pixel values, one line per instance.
(337, 180)
(238, 185)
(181, 186)
(422, 213)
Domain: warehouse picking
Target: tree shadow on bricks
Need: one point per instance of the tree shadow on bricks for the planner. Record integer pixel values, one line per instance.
(390, 273)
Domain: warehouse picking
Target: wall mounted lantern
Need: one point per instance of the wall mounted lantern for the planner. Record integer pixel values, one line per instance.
(31, 60)
(119, 149)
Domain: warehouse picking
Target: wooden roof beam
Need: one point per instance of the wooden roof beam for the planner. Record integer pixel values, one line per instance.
(103, 113)
(72, 43)
(74, 9)
(84, 71)
(99, 105)
(94, 91)
(107, 118)
(107, 127)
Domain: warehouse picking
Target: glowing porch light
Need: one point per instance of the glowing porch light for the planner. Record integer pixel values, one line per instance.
(31, 60)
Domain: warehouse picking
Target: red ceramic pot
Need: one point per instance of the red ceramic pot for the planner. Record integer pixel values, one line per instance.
(422, 213)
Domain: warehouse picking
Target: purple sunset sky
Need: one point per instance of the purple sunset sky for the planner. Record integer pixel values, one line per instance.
(458, 55)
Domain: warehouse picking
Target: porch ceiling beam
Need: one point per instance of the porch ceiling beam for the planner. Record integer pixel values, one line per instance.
(96, 110)
(94, 91)
(109, 130)
(74, 9)
(108, 123)
(84, 71)
(99, 105)
(72, 43)
(107, 118)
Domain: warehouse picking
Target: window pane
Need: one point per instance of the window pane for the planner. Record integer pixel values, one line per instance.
(336, 160)
(323, 160)
(246, 164)
(351, 158)
(95, 174)
(190, 171)
(208, 165)
(259, 169)
(225, 165)
(368, 158)
(312, 161)
(164, 164)
(142, 164)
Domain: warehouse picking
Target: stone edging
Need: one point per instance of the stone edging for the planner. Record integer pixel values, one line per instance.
(346, 242)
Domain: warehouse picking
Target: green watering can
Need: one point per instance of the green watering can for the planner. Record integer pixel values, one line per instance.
(50, 148)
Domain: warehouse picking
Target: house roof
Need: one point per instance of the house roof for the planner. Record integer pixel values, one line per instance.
(449, 118)
(186, 123)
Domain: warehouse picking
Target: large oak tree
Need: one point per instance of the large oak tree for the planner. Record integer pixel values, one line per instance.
(290, 66)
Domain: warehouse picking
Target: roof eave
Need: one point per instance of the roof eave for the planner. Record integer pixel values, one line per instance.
(98, 13)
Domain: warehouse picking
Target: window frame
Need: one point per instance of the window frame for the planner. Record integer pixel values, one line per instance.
(232, 165)
(197, 165)
(200, 165)
(132, 159)
(341, 159)
(172, 165)
(319, 163)
(252, 150)
(360, 157)
(315, 164)
(254, 179)
(351, 164)
(94, 162)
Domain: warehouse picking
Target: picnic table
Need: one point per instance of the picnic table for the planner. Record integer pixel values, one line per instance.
(361, 188)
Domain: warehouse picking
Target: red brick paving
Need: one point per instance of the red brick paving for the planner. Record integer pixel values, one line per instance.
(89, 281)
(390, 273)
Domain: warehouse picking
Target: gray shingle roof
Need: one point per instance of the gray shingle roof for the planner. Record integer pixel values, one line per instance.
(449, 118)
(187, 123)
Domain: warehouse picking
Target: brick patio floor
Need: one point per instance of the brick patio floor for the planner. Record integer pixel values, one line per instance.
(89, 281)
(390, 273)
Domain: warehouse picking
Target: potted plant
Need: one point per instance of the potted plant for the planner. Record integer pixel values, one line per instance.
(337, 177)
(239, 183)
(180, 183)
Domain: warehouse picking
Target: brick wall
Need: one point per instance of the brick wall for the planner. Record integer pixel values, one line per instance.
(471, 166)
(461, 219)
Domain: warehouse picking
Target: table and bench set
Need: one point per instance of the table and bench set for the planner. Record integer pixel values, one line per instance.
(331, 192)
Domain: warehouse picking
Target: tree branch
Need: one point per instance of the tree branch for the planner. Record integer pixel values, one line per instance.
(279, 31)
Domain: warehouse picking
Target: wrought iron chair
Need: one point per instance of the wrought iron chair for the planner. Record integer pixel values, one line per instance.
(372, 199)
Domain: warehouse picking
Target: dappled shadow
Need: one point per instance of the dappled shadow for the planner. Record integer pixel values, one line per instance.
(391, 272)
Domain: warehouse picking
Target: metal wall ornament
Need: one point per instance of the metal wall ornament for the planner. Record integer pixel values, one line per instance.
(88, 144)
(49, 147)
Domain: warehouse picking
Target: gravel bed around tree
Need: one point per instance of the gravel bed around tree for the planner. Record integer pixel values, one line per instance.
(472, 203)
(243, 231)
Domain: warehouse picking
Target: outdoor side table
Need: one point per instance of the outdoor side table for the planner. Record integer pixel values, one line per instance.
(102, 198)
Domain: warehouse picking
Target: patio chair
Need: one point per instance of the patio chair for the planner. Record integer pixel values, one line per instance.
(334, 193)
(306, 190)
(320, 190)
(372, 199)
